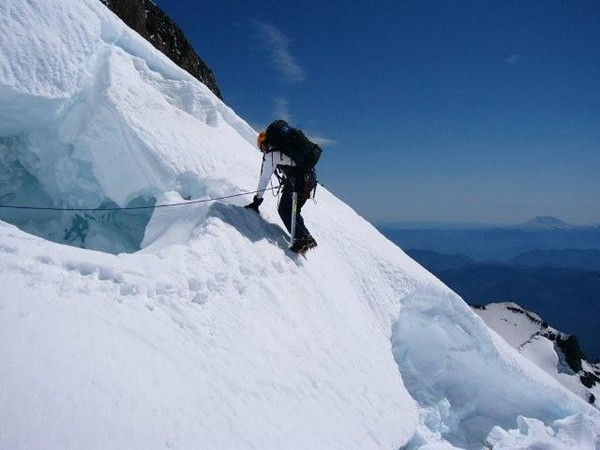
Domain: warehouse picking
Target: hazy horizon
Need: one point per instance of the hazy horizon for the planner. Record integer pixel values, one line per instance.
(471, 224)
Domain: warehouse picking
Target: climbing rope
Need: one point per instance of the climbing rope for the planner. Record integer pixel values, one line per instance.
(166, 205)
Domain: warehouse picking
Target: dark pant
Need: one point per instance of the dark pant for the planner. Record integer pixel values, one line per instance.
(285, 208)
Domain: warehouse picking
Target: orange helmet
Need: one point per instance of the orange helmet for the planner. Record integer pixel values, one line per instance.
(261, 139)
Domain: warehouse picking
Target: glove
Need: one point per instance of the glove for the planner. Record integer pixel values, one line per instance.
(256, 202)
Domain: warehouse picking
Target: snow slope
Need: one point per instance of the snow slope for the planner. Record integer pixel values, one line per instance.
(208, 333)
(538, 342)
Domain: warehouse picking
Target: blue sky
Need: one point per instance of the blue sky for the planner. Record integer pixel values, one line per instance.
(468, 111)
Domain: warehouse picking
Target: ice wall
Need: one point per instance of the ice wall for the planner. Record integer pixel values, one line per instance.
(80, 91)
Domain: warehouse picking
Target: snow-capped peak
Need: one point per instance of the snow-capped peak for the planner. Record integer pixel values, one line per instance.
(546, 222)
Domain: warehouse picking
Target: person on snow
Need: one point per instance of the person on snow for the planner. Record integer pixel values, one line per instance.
(292, 178)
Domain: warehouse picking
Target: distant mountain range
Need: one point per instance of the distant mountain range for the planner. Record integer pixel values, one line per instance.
(539, 222)
(497, 243)
(547, 265)
(585, 260)
(569, 258)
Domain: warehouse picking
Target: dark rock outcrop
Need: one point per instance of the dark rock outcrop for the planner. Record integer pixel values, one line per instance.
(155, 26)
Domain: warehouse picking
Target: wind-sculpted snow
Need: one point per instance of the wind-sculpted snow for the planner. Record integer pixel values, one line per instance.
(437, 343)
(210, 334)
(85, 123)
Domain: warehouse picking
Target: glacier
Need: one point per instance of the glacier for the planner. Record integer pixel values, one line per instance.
(193, 326)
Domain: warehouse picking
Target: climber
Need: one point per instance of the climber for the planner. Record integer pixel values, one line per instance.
(292, 157)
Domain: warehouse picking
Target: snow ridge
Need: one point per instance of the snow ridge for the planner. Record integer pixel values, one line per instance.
(546, 347)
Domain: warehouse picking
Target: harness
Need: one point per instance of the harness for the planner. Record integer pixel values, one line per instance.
(302, 182)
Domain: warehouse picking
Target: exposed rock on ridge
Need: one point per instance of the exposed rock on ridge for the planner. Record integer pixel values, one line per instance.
(155, 26)
(503, 318)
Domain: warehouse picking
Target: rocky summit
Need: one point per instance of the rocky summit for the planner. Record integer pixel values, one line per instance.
(145, 17)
